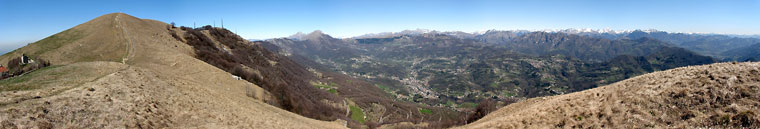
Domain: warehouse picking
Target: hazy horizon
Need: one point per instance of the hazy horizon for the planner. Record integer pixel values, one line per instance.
(25, 22)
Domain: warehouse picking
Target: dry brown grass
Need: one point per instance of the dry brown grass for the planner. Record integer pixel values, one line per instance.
(717, 95)
(283, 78)
(161, 85)
(96, 40)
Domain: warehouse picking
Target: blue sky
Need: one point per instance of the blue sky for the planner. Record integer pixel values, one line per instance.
(25, 21)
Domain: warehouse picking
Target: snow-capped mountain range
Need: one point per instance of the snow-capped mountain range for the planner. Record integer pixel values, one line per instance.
(584, 31)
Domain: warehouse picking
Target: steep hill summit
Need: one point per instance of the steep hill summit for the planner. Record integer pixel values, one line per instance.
(119, 71)
(717, 95)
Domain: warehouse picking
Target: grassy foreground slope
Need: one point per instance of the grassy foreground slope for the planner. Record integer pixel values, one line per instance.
(100, 39)
(715, 95)
(119, 71)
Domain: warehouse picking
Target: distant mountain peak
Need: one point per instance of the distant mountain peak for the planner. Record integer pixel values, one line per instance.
(297, 36)
(594, 31)
(647, 30)
(314, 35)
(417, 31)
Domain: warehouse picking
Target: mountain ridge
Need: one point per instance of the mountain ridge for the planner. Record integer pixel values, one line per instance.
(721, 46)
(441, 67)
(120, 71)
(160, 84)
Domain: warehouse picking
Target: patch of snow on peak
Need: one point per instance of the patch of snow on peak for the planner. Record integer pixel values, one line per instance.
(297, 36)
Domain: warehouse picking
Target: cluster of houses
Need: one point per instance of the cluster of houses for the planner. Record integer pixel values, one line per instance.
(5, 70)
